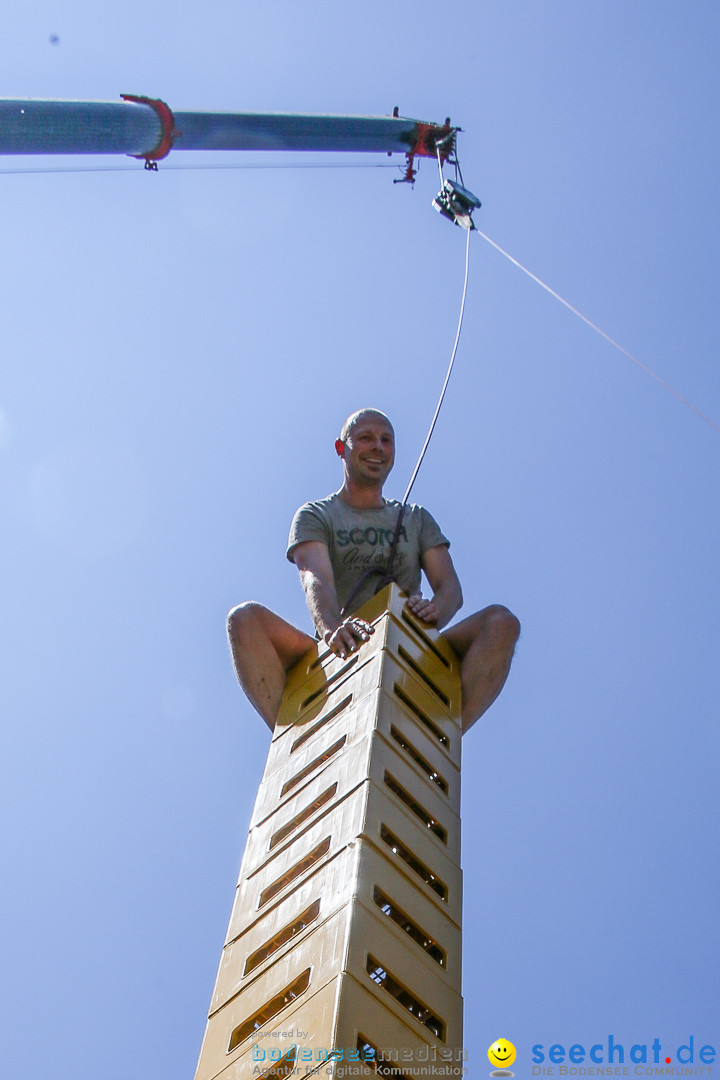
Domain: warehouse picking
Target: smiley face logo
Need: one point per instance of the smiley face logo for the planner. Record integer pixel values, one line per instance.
(502, 1053)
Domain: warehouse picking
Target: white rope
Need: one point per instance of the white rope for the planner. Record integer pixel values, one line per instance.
(447, 377)
(439, 161)
(597, 330)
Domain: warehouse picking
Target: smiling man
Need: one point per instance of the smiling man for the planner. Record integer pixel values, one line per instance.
(343, 546)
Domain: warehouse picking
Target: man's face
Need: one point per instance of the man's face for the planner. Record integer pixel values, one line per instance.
(369, 451)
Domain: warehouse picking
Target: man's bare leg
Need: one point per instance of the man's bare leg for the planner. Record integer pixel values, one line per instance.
(264, 647)
(485, 643)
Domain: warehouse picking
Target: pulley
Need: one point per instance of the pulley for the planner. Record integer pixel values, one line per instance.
(456, 203)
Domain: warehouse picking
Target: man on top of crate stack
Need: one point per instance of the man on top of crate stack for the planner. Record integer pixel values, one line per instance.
(343, 547)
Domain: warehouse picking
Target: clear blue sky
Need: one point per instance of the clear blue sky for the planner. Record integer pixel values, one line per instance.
(178, 352)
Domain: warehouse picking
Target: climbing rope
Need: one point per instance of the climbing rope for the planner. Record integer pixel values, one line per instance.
(447, 377)
(386, 573)
(588, 322)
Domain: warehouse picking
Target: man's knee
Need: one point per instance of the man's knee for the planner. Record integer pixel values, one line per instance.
(251, 626)
(502, 622)
(245, 620)
(495, 626)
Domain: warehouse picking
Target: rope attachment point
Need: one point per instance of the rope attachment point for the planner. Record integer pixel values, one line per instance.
(168, 135)
(430, 140)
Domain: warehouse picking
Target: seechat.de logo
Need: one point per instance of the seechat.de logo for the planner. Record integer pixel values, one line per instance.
(611, 1058)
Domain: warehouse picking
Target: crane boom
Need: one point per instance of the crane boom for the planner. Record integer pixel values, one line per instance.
(146, 128)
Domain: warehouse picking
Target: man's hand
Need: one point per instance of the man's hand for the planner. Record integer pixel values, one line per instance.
(447, 594)
(424, 609)
(345, 639)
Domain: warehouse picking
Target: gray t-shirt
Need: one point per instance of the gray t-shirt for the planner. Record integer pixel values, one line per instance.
(359, 539)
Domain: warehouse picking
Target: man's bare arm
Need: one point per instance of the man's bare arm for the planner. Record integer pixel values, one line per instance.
(312, 559)
(447, 594)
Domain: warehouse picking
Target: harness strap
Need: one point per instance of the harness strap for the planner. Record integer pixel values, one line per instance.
(387, 573)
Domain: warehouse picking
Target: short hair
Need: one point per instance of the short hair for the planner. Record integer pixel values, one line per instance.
(354, 417)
